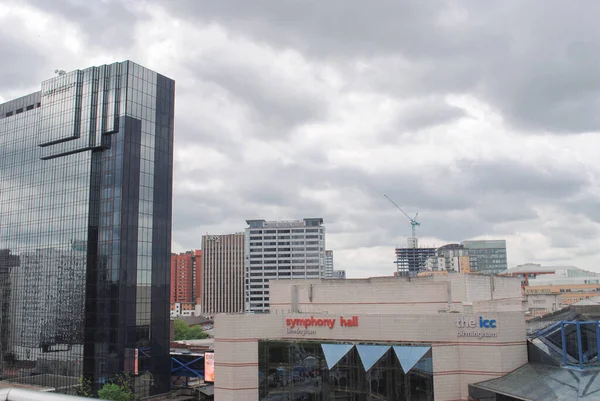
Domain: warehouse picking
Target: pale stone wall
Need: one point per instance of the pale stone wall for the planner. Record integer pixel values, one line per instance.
(393, 295)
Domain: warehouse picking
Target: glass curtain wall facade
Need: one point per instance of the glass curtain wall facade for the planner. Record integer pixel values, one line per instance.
(314, 371)
(487, 256)
(85, 228)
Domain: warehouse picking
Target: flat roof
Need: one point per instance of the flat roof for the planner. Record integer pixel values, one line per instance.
(535, 268)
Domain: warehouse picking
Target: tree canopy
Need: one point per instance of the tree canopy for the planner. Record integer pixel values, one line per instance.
(185, 332)
(115, 392)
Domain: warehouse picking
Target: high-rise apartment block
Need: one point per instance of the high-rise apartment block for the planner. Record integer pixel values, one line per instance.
(186, 282)
(487, 256)
(85, 228)
(279, 250)
(223, 273)
(328, 263)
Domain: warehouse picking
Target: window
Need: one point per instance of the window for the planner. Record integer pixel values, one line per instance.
(347, 379)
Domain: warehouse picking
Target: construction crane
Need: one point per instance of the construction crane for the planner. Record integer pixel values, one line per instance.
(413, 221)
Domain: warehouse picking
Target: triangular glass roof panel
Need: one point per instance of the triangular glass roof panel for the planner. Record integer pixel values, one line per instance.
(335, 352)
(424, 365)
(408, 356)
(370, 354)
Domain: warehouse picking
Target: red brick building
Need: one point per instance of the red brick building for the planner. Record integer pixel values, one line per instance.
(186, 280)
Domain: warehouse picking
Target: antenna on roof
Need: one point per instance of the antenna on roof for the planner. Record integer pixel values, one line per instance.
(60, 72)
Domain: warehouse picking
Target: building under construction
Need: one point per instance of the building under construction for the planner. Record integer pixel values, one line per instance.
(412, 259)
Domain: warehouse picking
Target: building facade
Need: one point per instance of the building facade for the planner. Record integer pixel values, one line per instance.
(186, 282)
(281, 250)
(85, 226)
(451, 257)
(487, 256)
(382, 338)
(541, 304)
(328, 263)
(570, 289)
(223, 270)
(182, 280)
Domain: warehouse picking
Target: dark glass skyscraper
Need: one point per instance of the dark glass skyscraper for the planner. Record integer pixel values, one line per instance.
(85, 228)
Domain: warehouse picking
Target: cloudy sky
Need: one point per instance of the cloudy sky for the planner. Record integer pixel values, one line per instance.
(481, 116)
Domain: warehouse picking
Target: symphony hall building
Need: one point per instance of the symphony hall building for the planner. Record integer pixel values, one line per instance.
(386, 338)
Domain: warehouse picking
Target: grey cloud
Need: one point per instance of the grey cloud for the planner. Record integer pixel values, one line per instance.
(419, 114)
(428, 113)
(536, 63)
(20, 64)
(537, 73)
(110, 24)
(529, 180)
(585, 205)
(279, 106)
(454, 205)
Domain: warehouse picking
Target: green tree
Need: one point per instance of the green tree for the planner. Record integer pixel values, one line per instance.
(118, 388)
(115, 392)
(85, 388)
(185, 332)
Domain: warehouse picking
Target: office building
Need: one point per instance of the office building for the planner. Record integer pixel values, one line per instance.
(328, 263)
(570, 289)
(186, 282)
(487, 256)
(223, 271)
(85, 227)
(281, 250)
(387, 338)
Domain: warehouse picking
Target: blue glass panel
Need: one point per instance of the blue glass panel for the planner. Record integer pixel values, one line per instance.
(408, 356)
(370, 354)
(424, 365)
(335, 352)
